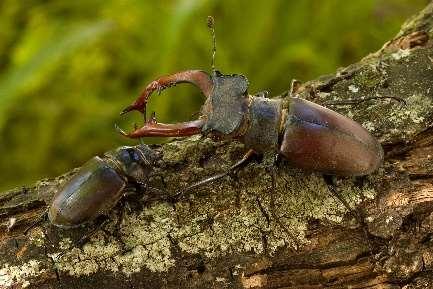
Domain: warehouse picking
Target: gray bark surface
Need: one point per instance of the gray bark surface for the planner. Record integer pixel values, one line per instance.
(267, 227)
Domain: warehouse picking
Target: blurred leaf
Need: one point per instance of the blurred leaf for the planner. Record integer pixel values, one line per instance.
(14, 82)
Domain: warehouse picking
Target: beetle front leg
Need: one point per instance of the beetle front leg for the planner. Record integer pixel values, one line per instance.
(98, 224)
(196, 77)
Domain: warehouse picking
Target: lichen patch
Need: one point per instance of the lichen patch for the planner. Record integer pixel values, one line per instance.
(145, 245)
(256, 281)
(414, 113)
(19, 275)
(353, 88)
(400, 54)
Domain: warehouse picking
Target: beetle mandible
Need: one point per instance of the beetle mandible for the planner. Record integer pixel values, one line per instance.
(307, 135)
(99, 184)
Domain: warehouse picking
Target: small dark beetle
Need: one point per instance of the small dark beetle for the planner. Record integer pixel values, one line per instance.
(98, 185)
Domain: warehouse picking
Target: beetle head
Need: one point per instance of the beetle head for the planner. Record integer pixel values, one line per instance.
(226, 106)
(223, 115)
(134, 162)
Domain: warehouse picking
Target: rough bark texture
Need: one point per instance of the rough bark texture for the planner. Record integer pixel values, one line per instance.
(266, 228)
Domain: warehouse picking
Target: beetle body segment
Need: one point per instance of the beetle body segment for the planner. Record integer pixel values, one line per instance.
(227, 104)
(318, 139)
(99, 184)
(94, 190)
(311, 137)
(263, 124)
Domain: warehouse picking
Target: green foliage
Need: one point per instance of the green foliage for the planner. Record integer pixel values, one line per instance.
(68, 67)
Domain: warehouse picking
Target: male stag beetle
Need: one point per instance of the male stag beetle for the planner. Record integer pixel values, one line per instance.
(307, 135)
(99, 184)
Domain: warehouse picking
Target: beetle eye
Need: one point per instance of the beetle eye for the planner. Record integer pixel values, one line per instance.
(133, 155)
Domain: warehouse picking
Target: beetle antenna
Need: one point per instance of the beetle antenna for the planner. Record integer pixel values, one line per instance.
(211, 25)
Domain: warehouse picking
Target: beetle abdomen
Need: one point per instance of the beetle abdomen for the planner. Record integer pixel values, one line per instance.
(319, 139)
(92, 191)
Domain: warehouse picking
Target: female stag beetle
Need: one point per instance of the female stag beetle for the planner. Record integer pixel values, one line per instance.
(99, 184)
(307, 135)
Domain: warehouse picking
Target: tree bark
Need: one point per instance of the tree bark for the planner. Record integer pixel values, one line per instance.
(267, 227)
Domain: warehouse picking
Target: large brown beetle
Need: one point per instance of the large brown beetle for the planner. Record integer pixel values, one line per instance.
(307, 135)
(99, 184)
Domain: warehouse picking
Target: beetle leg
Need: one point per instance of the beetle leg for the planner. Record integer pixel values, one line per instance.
(143, 187)
(196, 77)
(273, 170)
(99, 223)
(354, 212)
(247, 158)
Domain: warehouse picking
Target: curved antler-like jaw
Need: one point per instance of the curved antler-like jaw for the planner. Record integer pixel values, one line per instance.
(198, 78)
(224, 113)
(154, 129)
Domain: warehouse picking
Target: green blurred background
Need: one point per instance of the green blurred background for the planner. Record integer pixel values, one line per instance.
(68, 67)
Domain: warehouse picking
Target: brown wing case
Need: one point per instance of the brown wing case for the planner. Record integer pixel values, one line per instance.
(319, 139)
